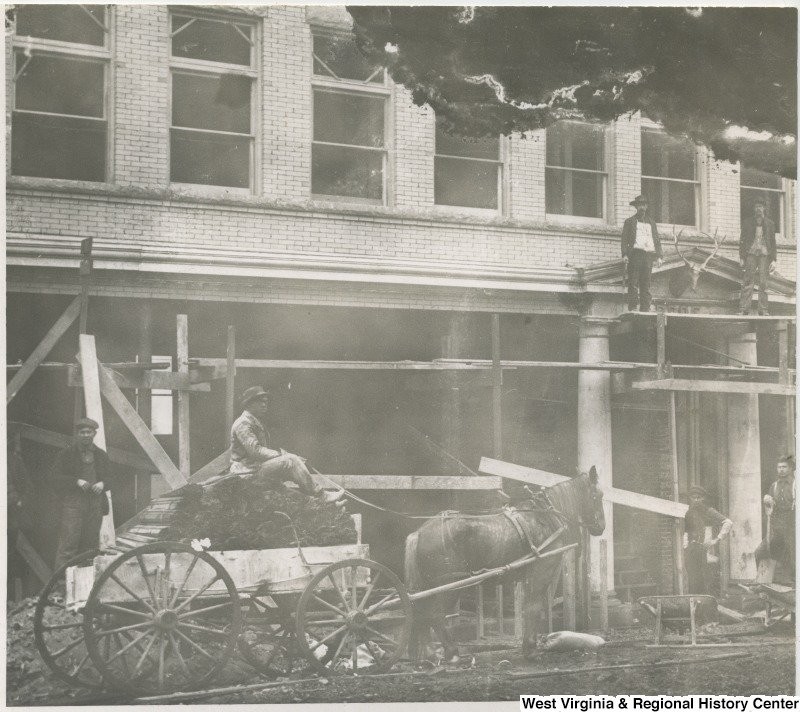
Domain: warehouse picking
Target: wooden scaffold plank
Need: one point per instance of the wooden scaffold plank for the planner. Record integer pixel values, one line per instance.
(45, 346)
(688, 384)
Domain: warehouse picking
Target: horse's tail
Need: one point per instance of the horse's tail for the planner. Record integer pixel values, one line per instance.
(412, 572)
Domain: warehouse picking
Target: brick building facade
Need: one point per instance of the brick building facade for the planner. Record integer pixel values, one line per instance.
(241, 165)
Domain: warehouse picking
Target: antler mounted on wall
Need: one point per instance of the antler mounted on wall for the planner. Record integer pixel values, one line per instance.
(696, 270)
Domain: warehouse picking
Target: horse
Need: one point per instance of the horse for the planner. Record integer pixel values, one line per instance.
(452, 545)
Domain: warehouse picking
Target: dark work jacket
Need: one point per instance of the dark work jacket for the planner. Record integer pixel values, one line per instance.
(629, 235)
(749, 235)
(68, 469)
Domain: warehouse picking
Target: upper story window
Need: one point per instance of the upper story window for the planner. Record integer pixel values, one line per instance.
(759, 184)
(575, 176)
(59, 125)
(212, 132)
(669, 177)
(349, 152)
(468, 171)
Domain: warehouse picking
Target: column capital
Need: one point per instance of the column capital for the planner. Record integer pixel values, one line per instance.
(595, 326)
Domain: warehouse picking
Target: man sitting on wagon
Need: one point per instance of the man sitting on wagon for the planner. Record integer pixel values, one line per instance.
(251, 456)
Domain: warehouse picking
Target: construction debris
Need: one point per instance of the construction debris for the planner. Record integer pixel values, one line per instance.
(252, 514)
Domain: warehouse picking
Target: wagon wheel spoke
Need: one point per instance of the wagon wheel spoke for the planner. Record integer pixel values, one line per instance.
(354, 654)
(377, 606)
(179, 590)
(354, 589)
(330, 606)
(328, 637)
(124, 649)
(369, 590)
(133, 626)
(384, 638)
(125, 611)
(162, 649)
(176, 647)
(127, 590)
(193, 644)
(203, 611)
(340, 646)
(62, 626)
(183, 605)
(80, 665)
(207, 631)
(339, 591)
(165, 585)
(146, 652)
(70, 646)
(150, 590)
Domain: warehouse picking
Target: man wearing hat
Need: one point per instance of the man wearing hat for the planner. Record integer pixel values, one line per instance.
(80, 478)
(757, 254)
(699, 518)
(640, 246)
(250, 454)
(779, 503)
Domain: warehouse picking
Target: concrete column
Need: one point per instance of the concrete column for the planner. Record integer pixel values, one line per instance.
(594, 430)
(744, 467)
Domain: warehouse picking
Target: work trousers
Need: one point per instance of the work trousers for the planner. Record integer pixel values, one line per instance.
(755, 266)
(640, 266)
(698, 573)
(81, 518)
(289, 468)
(781, 545)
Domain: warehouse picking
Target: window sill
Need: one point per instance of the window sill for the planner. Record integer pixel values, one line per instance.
(344, 200)
(198, 190)
(567, 220)
(57, 183)
(462, 210)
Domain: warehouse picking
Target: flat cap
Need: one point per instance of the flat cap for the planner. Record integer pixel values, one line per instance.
(86, 423)
(697, 489)
(253, 393)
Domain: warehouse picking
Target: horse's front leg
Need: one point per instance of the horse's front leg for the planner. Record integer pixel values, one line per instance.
(532, 611)
(438, 621)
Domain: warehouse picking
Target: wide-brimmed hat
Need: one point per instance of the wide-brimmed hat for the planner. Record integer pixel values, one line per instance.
(86, 423)
(760, 201)
(639, 200)
(698, 490)
(253, 393)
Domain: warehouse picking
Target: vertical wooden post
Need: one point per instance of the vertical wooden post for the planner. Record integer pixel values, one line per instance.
(144, 399)
(83, 320)
(721, 418)
(497, 390)
(498, 602)
(184, 438)
(479, 611)
(657, 632)
(678, 543)
(550, 603)
(603, 585)
(230, 380)
(661, 343)
(693, 619)
(782, 329)
(519, 601)
(568, 590)
(531, 608)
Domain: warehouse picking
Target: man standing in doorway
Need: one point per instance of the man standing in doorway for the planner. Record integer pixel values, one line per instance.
(779, 504)
(251, 456)
(757, 254)
(80, 477)
(699, 516)
(640, 246)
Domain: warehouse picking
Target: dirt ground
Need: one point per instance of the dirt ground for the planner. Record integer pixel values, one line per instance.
(764, 663)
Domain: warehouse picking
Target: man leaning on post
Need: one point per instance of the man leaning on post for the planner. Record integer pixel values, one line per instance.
(640, 247)
(81, 477)
(757, 255)
(252, 457)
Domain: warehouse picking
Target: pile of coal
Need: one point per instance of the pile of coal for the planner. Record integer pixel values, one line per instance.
(252, 514)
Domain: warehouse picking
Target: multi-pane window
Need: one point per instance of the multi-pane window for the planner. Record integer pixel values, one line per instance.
(349, 149)
(767, 186)
(467, 170)
(575, 177)
(212, 130)
(59, 126)
(669, 177)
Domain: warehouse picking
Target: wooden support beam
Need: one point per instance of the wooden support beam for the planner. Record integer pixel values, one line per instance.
(569, 589)
(548, 479)
(145, 379)
(603, 584)
(689, 384)
(93, 406)
(230, 381)
(706, 317)
(782, 329)
(497, 390)
(211, 469)
(184, 420)
(116, 398)
(37, 563)
(57, 440)
(677, 541)
(661, 344)
(45, 346)
(409, 482)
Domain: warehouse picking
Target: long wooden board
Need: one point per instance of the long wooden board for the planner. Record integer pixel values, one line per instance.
(45, 346)
(541, 478)
(140, 431)
(688, 384)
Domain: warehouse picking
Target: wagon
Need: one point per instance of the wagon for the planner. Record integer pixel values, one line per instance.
(166, 616)
(779, 602)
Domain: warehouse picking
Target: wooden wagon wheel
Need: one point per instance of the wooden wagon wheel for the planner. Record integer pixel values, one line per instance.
(58, 632)
(182, 631)
(354, 617)
(268, 640)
